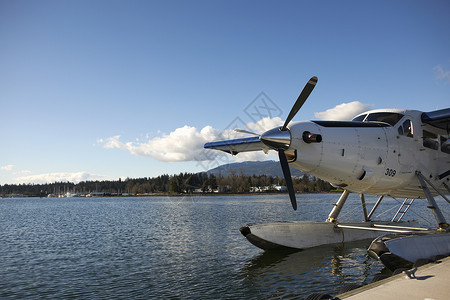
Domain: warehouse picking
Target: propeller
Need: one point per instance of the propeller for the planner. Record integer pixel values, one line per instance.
(280, 138)
(300, 100)
(287, 178)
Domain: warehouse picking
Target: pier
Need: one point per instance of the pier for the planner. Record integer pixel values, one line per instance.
(429, 282)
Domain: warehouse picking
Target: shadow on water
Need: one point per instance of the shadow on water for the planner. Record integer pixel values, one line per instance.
(292, 273)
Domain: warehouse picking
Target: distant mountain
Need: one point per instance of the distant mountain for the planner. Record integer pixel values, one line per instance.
(270, 168)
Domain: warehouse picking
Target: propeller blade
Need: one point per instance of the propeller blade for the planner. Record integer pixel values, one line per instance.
(245, 131)
(288, 178)
(300, 101)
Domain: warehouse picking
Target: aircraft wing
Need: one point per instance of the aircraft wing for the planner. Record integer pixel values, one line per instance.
(438, 118)
(238, 145)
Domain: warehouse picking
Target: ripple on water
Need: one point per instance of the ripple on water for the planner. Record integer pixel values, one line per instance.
(187, 248)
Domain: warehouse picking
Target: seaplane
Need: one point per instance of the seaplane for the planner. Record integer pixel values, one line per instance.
(398, 153)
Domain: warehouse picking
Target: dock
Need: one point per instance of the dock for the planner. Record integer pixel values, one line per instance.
(430, 282)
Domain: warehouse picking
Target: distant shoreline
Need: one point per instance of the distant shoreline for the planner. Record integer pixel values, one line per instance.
(233, 194)
(107, 195)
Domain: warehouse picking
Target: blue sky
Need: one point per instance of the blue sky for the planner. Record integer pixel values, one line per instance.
(109, 89)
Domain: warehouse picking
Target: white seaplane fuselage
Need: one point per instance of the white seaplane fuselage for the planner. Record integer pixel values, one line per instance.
(380, 160)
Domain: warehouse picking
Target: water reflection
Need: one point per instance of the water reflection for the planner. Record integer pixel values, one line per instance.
(319, 269)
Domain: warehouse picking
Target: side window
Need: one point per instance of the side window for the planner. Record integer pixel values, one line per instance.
(445, 145)
(430, 140)
(407, 128)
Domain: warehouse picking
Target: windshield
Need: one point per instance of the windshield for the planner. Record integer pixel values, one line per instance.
(359, 118)
(385, 117)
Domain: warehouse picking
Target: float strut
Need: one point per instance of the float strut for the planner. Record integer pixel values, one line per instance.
(375, 207)
(363, 203)
(332, 217)
(433, 205)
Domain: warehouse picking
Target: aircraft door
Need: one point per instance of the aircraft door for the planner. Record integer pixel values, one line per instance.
(407, 146)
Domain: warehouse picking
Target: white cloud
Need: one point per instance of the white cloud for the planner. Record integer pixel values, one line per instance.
(7, 167)
(265, 124)
(74, 177)
(442, 74)
(343, 112)
(182, 144)
(186, 143)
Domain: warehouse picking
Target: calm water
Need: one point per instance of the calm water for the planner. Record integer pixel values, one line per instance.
(177, 248)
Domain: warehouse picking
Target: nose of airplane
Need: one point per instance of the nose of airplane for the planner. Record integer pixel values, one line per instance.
(277, 139)
(280, 138)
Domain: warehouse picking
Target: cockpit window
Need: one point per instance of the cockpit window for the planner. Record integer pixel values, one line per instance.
(385, 117)
(390, 118)
(406, 129)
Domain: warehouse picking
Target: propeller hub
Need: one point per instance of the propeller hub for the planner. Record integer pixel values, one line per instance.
(277, 139)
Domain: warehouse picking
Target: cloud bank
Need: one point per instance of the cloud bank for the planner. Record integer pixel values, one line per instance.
(186, 143)
(344, 111)
(74, 177)
(182, 144)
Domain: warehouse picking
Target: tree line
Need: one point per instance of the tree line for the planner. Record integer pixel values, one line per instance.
(183, 183)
